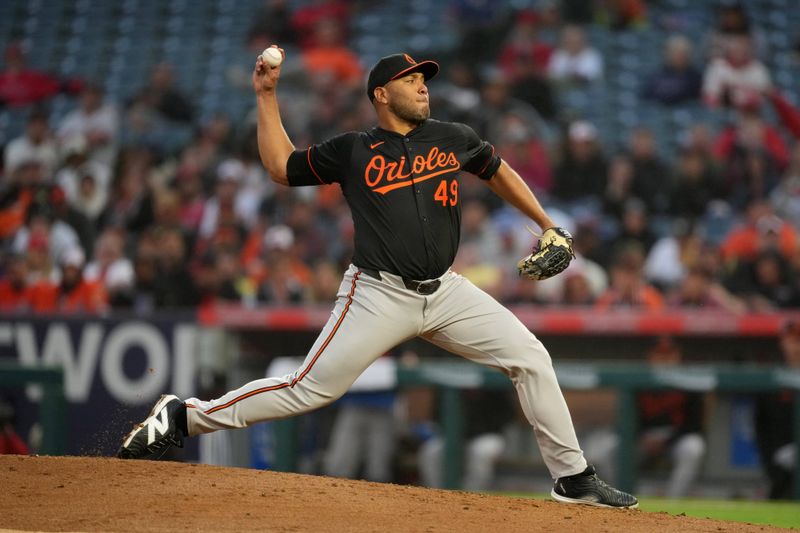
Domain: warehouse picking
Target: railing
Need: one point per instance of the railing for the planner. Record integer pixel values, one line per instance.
(553, 320)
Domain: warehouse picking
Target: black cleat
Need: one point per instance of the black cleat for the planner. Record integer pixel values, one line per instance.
(153, 437)
(588, 489)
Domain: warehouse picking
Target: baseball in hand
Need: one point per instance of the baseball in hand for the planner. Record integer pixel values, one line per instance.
(272, 56)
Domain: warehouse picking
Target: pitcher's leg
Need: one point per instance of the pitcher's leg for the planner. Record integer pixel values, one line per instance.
(353, 338)
(472, 324)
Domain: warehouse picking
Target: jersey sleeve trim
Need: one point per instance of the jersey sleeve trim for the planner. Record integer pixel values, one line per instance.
(488, 162)
(311, 166)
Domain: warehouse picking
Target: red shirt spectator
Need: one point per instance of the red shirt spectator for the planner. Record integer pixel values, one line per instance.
(21, 86)
(523, 45)
(307, 18)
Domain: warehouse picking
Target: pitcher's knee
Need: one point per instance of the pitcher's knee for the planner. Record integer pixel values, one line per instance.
(315, 399)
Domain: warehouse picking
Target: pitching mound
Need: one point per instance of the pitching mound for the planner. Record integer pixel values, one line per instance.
(101, 494)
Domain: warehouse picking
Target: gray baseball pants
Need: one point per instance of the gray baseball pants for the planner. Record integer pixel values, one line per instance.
(371, 317)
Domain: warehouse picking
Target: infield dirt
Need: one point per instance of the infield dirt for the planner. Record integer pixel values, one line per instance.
(103, 494)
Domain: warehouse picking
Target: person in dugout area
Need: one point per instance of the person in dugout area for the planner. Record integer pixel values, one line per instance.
(774, 422)
(670, 430)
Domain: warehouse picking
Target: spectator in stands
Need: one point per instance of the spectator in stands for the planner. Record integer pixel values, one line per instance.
(457, 94)
(489, 411)
(287, 277)
(533, 87)
(272, 21)
(575, 61)
(774, 422)
(580, 284)
(75, 162)
(233, 285)
(753, 155)
(499, 109)
(161, 94)
(670, 428)
(699, 289)
(189, 188)
(619, 189)
(761, 230)
(97, 121)
(785, 197)
(131, 203)
(36, 144)
(628, 287)
(696, 183)
(40, 266)
(678, 81)
(90, 202)
(732, 23)
(329, 58)
(15, 293)
(145, 268)
(634, 229)
(738, 79)
(476, 231)
(307, 18)
(673, 255)
(524, 59)
(622, 15)
(767, 282)
(325, 281)
(528, 154)
(25, 190)
(652, 182)
(482, 25)
(109, 262)
(524, 47)
(174, 287)
(223, 207)
(76, 294)
(48, 222)
(581, 172)
(21, 86)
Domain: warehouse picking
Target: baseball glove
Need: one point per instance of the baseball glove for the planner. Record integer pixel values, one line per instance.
(550, 258)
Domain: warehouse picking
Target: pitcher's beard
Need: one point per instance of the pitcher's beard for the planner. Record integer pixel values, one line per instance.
(410, 114)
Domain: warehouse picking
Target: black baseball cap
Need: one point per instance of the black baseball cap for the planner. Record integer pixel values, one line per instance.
(396, 66)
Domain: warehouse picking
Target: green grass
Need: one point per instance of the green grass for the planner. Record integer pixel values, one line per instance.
(781, 514)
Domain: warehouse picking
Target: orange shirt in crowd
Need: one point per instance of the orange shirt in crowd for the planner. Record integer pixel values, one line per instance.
(12, 298)
(743, 243)
(336, 60)
(87, 297)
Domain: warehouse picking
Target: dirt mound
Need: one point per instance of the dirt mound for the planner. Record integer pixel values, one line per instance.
(101, 494)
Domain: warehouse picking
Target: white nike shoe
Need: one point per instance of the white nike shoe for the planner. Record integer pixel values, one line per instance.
(153, 437)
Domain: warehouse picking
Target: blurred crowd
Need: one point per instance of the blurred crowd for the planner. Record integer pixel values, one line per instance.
(142, 205)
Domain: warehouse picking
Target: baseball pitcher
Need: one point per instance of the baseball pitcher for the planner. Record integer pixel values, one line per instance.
(401, 180)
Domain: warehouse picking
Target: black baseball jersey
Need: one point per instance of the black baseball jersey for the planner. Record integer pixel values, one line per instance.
(403, 191)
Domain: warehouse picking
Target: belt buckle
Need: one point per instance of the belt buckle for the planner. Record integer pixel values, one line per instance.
(426, 288)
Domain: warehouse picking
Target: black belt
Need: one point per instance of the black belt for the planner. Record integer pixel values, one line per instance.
(425, 288)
